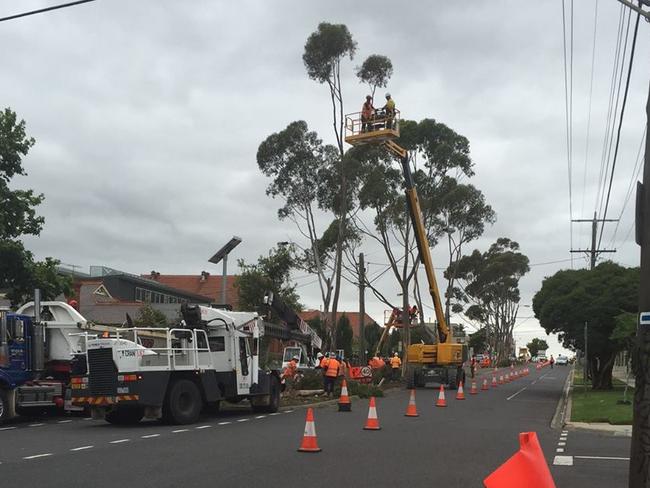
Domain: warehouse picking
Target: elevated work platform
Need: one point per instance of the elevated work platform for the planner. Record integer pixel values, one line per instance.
(378, 129)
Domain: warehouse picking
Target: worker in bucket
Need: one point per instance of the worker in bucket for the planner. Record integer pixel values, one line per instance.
(389, 111)
(367, 113)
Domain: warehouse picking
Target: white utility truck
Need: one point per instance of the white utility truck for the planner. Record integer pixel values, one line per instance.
(212, 356)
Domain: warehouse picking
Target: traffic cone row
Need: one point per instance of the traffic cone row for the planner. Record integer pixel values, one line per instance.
(309, 441)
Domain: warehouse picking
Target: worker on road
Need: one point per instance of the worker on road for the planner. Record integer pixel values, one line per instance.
(319, 360)
(343, 367)
(395, 363)
(389, 111)
(290, 374)
(367, 112)
(472, 365)
(552, 361)
(331, 373)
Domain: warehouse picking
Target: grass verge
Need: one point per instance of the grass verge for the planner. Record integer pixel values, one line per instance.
(600, 405)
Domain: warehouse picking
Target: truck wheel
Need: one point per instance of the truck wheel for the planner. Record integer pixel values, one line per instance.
(125, 415)
(411, 379)
(273, 404)
(4, 406)
(183, 403)
(452, 378)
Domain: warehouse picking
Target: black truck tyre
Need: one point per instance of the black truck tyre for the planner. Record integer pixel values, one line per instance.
(125, 415)
(183, 403)
(274, 398)
(4, 406)
(452, 378)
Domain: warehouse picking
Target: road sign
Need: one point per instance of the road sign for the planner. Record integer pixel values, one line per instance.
(644, 318)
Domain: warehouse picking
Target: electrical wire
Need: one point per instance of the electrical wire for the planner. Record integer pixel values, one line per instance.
(568, 108)
(620, 122)
(630, 189)
(43, 10)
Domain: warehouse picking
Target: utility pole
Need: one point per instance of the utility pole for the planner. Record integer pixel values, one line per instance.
(585, 373)
(362, 310)
(639, 462)
(594, 251)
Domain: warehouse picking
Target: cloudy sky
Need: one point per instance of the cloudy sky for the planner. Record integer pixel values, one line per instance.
(148, 115)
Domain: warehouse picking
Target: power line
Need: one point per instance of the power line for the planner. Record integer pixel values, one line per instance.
(47, 9)
(568, 109)
(620, 122)
(630, 189)
(591, 91)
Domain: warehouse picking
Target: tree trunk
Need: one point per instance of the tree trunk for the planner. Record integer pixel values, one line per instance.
(601, 377)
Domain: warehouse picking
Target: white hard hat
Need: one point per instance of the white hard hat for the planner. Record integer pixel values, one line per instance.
(387, 95)
(319, 355)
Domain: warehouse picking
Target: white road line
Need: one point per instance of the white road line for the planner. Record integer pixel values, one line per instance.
(276, 413)
(179, 431)
(8, 428)
(88, 418)
(150, 436)
(288, 411)
(563, 461)
(224, 423)
(559, 449)
(119, 441)
(565, 432)
(82, 448)
(64, 421)
(609, 458)
(561, 443)
(243, 420)
(35, 425)
(515, 394)
(203, 427)
(38, 455)
(261, 417)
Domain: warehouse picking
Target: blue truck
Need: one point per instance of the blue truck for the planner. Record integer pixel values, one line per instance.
(40, 348)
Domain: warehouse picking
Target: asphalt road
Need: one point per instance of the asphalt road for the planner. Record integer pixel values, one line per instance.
(455, 446)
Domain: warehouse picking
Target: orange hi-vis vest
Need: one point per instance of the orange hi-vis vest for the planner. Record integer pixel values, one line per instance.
(395, 362)
(332, 368)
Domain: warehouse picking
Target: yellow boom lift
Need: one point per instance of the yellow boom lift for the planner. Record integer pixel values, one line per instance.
(441, 362)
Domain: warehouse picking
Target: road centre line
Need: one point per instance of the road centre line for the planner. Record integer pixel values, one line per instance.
(515, 394)
(119, 441)
(224, 423)
(203, 427)
(38, 455)
(82, 448)
(261, 417)
(180, 430)
(7, 428)
(35, 425)
(243, 420)
(64, 421)
(607, 458)
(149, 436)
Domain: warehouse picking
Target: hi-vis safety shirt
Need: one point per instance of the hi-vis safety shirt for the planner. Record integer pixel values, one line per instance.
(395, 362)
(332, 368)
(390, 106)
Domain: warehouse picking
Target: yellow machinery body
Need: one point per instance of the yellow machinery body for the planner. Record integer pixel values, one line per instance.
(443, 360)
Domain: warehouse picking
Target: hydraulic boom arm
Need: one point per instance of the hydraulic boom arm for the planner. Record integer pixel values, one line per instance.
(420, 236)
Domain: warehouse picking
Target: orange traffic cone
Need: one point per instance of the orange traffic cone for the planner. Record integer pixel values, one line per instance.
(411, 410)
(441, 398)
(373, 422)
(345, 405)
(527, 467)
(507, 378)
(501, 379)
(473, 390)
(494, 381)
(309, 442)
(484, 387)
(460, 394)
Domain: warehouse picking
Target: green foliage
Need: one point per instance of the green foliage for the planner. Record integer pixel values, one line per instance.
(19, 273)
(375, 71)
(324, 50)
(344, 335)
(570, 298)
(478, 341)
(373, 334)
(271, 273)
(536, 345)
(364, 390)
(625, 329)
(150, 317)
(492, 284)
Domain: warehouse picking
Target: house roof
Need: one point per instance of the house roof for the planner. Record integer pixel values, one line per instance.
(353, 317)
(204, 284)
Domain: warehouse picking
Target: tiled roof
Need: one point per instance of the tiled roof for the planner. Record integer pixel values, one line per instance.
(207, 286)
(353, 317)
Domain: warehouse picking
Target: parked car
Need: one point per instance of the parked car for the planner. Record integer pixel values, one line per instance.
(562, 360)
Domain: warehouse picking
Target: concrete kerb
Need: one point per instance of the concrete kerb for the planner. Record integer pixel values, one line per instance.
(563, 415)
